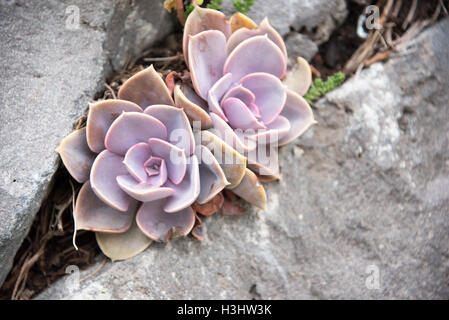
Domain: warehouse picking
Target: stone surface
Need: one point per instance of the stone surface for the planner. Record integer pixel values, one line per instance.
(50, 66)
(366, 194)
(299, 45)
(318, 18)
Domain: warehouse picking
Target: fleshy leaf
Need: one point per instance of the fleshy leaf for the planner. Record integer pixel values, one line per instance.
(131, 128)
(231, 162)
(124, 245)
(94, 215)
(207, 55)
(194, 107)
(101, 115)
(202, 19)
(107, 166)
(217, 92)
(187, 191)
(269, 92)
(142, 191)
(236, 139)
(275, 131)
(175, 158)
(241, 93)
(239, 115)
(212, 177)
(264, 28)
(299, 78)
(210, 207)
(239, 20)
(251, 190)
(146, 88)
(157, 171)
(178, 127)
(264, 161)
(76, 155)
(254, 55)
(135, 158)
(300, 115)
(159, 225)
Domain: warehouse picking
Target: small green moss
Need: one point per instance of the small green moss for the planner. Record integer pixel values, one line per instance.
(243, 6)
(319, 87)
(189, 9)
(215, 4)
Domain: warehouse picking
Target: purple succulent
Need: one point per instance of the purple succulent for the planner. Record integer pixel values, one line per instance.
(238, 76)
(137, 153)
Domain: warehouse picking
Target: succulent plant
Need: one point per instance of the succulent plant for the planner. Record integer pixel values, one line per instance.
(237, 70)
(146, 174)
(139, 167)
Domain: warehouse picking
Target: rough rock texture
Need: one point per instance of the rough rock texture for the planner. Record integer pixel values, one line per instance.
(49, 67)
(299, 45)
(316, 17)
(366, 191)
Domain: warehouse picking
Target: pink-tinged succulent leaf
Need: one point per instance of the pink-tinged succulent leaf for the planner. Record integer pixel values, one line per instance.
(210, 207)
(269, 92)
(231, 162)
(240, 92)
(264, 28)
(198, 233)
(160, 225)
(143, 191)
(300, 115)
(178, 127)
(207, 55)
(131, 128)
(239, 115)
(94, 215)
(187, 191)
(275, 131)
(101, 115)
(251, 190)
(124, 245)
(157, 171)
(194, 107)
(202, 19)
(264, 161)
(175, 158)
(146, 88)
(76, 155)
(231, 209)
(254, 55)
(299, 78)
(212, 177)
(135, 158)
(217, 92)
(239, 20)
(236, 139)
(107, 166)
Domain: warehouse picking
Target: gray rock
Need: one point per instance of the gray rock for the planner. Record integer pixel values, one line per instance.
(50, 66)
(317, 17)
(299, 45)
(362, 213)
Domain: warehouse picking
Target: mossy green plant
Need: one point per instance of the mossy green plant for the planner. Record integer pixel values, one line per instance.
(319, 87)
(215, 4)
(243, 6)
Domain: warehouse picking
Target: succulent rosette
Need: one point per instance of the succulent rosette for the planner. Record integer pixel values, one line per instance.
(138, 163)
(238, 71)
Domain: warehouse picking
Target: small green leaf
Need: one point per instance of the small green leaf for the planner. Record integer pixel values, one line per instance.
(215, 4)
(243, 6)
(320, 88)
(189, 9)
